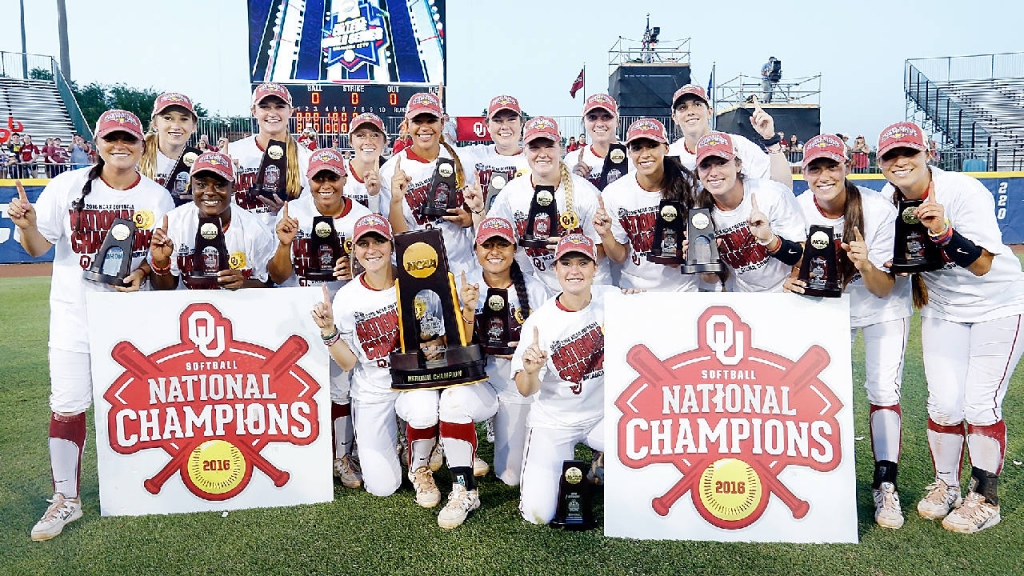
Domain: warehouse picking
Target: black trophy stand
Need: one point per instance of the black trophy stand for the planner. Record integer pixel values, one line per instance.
(667, 246)
(272, 177)
(111, 263)
(423, 265)
(702, 248)
(494, 324)
(575, 510)
(210, 256)
(542, 222)
(494, 187)
(178, 181)
(441, 195)
(616, 165)
(324, 250)
(818, 269)
(913, 250)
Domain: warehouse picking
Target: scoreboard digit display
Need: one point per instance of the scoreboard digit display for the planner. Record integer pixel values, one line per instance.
(329, 107)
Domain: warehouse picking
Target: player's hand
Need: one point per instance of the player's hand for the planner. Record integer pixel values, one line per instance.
(473, 195)
(372, 181)
(399, 182)
(762, 121)
(933, 216)
(629, 291)
(469, 293)
(230, 279)
(459, 216)
(602, 222)
(323, 314)
(132, 282)
(534, 358)
(857, 250)
(792, 284)
(161, 248)
(287, 228)
(758, 222)
(581, 169)
(433, 349)
(274, 204)
(343, 268)
(20, 210)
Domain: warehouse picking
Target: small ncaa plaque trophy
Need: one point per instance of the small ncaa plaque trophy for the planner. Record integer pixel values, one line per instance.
(667, 246)
(574, 510)
(428, 303)
(913, 251)
(441, 195)
(177, 182)
(324, 249)
(211, 254)
(494, 325)
(819, 270)
(111, 263)
(271, 178)
(542, 221)
(494, 187)
(702, 250)
(615, 165)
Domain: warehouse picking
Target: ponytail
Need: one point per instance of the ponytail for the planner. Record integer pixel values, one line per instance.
(853, 217)
(919, 290)
(460, 176)
(79, 205)
(293, 180)
(147, 165)
(520, 284)
(677, 182)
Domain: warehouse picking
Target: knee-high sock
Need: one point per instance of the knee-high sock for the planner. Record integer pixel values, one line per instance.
(67, 441)
(421, 444)
(886, 432)
(341, 428)
(986, 446)
(947, 447)
(459, 442)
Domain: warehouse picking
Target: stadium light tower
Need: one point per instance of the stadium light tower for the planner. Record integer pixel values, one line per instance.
(62, 32)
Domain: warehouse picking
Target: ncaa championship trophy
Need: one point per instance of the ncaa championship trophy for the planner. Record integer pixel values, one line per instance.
(178, 180)
(913, 251)
(271, 178)
(494, 324)
(210, 256)
(615, 165)
(574, 510)
(819, 270)
(110, 266)
(324, 249)
(441, 195)
(541, 223)
(667, 246)
(494, 187)
(702, 248)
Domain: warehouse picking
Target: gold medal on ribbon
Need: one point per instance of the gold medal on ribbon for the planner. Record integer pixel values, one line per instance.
(569, 220)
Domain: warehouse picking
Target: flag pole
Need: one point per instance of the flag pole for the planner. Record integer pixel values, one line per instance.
(714, 117)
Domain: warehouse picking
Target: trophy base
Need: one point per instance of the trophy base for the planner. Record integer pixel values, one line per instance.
(535, 242)
(434, 212)
(829, 291)
(102, 278)
(573, 523)
(319, 276)
(914, 266)
(710, 268)
(499, 350)
(662, 259)
(193, 282)
(460, 365)
(280, 195)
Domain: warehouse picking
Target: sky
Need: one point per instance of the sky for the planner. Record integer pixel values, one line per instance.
(533, 49)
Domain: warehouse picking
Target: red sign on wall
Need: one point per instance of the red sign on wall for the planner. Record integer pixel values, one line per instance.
(472, 129)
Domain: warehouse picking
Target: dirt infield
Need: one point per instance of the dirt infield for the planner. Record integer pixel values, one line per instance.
(25, 270)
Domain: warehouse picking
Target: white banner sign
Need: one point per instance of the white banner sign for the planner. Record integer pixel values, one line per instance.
(209, 400)
(729, 418)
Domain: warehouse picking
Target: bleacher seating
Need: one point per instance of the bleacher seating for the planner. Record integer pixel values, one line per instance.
(38, 106)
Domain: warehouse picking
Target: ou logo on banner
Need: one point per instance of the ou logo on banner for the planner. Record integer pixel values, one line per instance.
(479, 129)
(204, 330)
(722, 340)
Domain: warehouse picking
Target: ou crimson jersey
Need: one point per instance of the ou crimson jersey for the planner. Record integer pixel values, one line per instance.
(248, 155)
(572, 380)
(755, 161)
(486, 162)
(368, 322)
(77, 237)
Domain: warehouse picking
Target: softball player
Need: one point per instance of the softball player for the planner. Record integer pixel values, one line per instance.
(634, 200)
(505, 155)
(601, 121)
(970, 328)
(327, 180)
(692, 114)
(366, 135)
(73, 214)
(249, 243)
(755, 220)
(880, 304)
(171, 125)
(569, 387)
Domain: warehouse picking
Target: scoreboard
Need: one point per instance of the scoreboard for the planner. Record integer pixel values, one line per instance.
(329, 107)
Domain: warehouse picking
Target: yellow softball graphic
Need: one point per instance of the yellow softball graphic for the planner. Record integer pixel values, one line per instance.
(144, 219)
(237, 260)
(730, 489)
(216, 467)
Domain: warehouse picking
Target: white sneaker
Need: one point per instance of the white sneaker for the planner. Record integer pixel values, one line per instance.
(346, 471)
(888, 513)
(940, 499)
(973, 515)
(62, 511)
(436, 457)
(490, 429)
(460, 503)
(427, 494)
(480, 467)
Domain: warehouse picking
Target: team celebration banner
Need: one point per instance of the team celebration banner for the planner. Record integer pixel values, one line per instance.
(209, 400)
(728, 417)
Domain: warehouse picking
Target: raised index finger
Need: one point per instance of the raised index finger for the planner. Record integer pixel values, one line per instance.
(398, 163)
(163, 227)
(753, 202)
(22, 195)
(327, 297)
(285, 216)
(857, 234)
(536, 337)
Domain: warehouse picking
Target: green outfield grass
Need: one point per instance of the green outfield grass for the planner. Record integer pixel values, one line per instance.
(362, 534)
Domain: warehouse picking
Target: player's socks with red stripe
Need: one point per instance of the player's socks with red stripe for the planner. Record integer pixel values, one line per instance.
(460, 443)
(421, 444)
(886, 432)
(947, 447)
(986, 446)
(67, 442)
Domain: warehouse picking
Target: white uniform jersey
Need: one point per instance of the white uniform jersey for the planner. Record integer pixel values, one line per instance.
(304, 210)
(368, 322)
(145, 203)
(954, 293)
(248, 156)
(458, 241)
(572, 380)
(755, 162)
(498, 368)
(513, 204)
(753, 268)
(588, 156)
(164, 165)
(355, 189)
(879, 226)
(250, 245)
(485, 162)
(634, 211)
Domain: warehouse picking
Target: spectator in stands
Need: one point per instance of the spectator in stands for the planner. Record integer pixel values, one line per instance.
(30, 154)
(308, 138)
(222, 145)
(57, 158)
(403, 140)
(581, 141)
(860, 151)
(204, 144)
(79, 152)
(450, 131)
(8, 163)
(572, 145)
(15, 147)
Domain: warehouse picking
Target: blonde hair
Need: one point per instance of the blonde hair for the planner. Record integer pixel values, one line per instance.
(293, 179)
(460, 176)
(566, 181)
(147, 165)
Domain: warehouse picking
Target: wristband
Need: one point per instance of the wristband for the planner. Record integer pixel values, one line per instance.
(161, 271)
(766, 142)
(789, 252)
(331, 335)
(961, 251)
(766, 242)
(468, 321)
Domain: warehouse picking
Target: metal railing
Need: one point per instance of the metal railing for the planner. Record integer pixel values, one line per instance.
(629, 51)
(19, 66)
(739, 89)
(975, 67)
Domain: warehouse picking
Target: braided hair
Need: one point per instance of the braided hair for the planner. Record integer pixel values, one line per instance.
(79, 205)
(519, 281)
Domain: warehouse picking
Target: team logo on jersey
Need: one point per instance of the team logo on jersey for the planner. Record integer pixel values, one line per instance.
(730, 417)
(144, 219)
(213, 403)
(237, 260)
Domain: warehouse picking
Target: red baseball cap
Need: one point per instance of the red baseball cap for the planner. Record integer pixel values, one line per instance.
(901, 135)
(576, 243)
(824, 146)
(541, 127)
(371, 223)
(648, 128)
(168, 99)
(268, 89)
(119, 121)
(326, 159)
(691, 89)
(424, 103)
(601, 101)
(216, 162)
(715, 144)
(503, 102)
(492, 227)
(367, 118)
